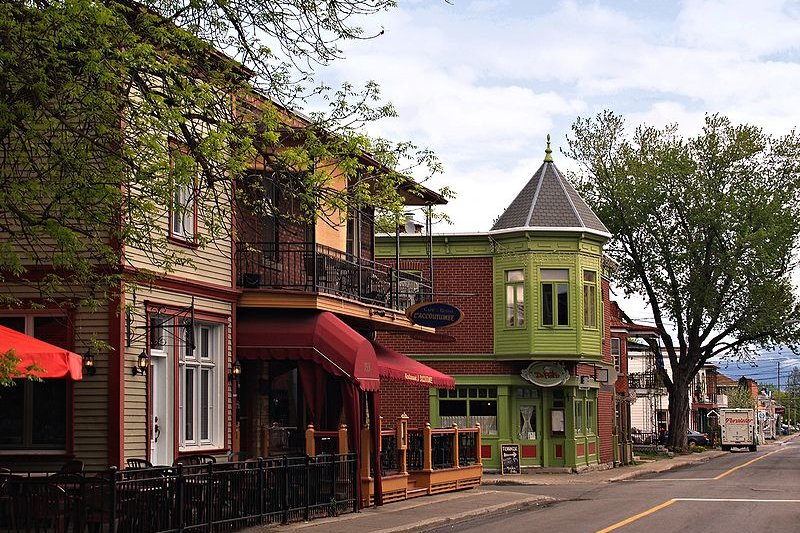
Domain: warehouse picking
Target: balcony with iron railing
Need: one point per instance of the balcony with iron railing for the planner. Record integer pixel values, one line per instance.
(306, 267)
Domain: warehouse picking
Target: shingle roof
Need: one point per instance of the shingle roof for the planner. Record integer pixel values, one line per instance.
(548, 202)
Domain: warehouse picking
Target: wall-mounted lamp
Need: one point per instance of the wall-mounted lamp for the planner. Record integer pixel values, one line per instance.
(236, 371)
(142, 364)
(88, 364)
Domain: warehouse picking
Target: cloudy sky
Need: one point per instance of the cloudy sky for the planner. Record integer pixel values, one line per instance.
(482, 82)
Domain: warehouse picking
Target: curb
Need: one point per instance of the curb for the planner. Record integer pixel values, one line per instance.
(430, 523)
(652, 468)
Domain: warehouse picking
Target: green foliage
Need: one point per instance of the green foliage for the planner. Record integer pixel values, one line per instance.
(704, 228)
(102, 118)
(9, 369)
(740, 397)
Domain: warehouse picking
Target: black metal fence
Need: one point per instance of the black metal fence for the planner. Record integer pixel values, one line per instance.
(390, 461)
(416, 450)
(442, 449)
(207, 498)
(467, 447)
(301, 266)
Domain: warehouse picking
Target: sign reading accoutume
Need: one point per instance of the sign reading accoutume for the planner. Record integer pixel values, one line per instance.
(434, 314)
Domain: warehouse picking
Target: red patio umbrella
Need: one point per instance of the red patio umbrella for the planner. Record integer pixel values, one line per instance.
(50, 361)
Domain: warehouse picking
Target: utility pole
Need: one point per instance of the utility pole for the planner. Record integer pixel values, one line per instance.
(779, 376)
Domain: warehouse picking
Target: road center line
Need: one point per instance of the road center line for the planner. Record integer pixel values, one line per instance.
(706, 500)
(636, 517)
(750, 500)
(735, 468)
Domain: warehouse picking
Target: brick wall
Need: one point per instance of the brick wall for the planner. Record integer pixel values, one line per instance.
(605, 424)
(398, 398)
(470, 276)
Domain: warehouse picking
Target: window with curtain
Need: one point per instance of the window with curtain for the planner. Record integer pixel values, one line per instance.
(555, 296)
(515, 298)
(589, 299)
(184, 200)
(467, 406)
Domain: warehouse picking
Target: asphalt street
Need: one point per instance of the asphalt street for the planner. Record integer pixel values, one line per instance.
(737, 492)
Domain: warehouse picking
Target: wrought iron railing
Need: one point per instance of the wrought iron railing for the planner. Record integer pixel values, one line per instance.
(390, 463)
(301, 266)
(442, 448)
(208, 498)
(644, 380)
(467, 446)
(415, 455)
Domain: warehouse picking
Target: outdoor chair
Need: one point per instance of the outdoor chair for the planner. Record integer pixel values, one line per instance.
(75, 466)
(136, 463)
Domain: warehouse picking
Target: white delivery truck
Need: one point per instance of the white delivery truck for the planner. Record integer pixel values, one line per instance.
(738, 429)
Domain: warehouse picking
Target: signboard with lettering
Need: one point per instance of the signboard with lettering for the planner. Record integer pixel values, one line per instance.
(779, 410)
(545, 373)
(509, 459)
(434, 314)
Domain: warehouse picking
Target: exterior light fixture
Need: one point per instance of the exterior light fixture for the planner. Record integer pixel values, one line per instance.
(88, 364)
(236, 371)
(142, 364)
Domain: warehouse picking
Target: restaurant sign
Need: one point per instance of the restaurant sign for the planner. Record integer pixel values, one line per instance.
(434, 315)
(545, 373)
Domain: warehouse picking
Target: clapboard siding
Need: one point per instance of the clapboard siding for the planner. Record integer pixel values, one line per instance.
(135, 419)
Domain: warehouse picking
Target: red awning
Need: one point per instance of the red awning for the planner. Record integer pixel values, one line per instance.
(51, 361)
(396, 366)
(313, 336)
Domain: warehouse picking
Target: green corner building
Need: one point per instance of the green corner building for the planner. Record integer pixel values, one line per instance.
(528, 356)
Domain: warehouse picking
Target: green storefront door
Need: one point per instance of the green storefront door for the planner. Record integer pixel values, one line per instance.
(528, 425)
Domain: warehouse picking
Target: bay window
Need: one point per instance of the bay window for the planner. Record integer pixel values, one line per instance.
(589, 299)
(555, 296)
(515, 298)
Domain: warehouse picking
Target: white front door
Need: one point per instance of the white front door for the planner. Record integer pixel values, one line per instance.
(161, 417)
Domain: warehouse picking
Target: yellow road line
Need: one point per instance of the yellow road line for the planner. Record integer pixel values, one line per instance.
(636, 517)
(735, 468)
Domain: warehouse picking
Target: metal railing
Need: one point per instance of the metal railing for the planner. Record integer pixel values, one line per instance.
(208, 498)
(415, 455)
(390, 460)
(468, 446)
(442, 448)
(301, 266)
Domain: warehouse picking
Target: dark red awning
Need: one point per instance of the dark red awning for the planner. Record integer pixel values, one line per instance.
(313, 336)
(396, 366)
(48, 360)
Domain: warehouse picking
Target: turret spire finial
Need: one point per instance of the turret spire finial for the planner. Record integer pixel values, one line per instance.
(548, 153)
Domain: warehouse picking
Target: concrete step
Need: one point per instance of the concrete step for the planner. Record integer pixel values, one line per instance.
(415, 493)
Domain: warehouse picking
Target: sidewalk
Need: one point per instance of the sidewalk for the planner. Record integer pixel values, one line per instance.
(429, 512)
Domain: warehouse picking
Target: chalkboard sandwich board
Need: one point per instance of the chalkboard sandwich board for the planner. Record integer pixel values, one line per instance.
(509, 459)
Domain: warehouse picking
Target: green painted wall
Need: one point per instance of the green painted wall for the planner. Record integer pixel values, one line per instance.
(532, 253)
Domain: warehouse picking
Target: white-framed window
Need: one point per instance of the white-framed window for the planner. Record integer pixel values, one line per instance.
(555, 296)
(515, 298)
(201, 368)
(616, 352)
(183, 207)
(589, 299)
(184, 198)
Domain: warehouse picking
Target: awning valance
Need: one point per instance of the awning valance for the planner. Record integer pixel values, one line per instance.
(44, 359)
(312, 336)
(396, 366)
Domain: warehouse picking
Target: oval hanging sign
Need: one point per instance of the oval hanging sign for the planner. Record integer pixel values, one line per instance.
(545, 373)
(434, 314)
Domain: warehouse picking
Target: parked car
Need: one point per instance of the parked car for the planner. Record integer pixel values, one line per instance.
(694, 438)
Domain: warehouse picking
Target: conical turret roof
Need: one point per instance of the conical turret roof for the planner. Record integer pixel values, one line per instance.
(549, 203)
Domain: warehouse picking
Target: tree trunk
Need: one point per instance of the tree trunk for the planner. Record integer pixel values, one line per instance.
(678, 413)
